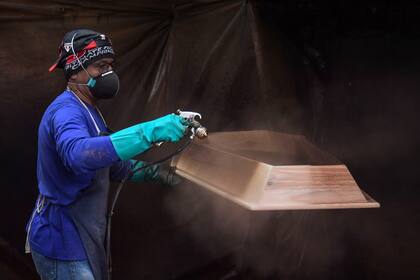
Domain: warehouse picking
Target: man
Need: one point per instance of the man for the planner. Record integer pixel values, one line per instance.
(77, 158)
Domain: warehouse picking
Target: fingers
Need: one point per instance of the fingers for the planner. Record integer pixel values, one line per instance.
(178, 128)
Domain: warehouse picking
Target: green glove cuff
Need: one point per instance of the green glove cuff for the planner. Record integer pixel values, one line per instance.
(137, 139)
(129, 142)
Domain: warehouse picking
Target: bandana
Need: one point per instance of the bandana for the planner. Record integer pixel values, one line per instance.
(89, 47)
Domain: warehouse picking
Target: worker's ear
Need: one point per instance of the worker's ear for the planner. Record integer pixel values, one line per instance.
(73, 77)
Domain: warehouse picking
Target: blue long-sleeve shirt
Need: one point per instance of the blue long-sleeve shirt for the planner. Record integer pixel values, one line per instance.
(69, 153)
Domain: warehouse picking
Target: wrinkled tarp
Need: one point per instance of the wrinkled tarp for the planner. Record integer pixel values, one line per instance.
(207, 56)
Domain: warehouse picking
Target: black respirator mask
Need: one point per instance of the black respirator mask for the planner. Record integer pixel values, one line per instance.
(104, 86)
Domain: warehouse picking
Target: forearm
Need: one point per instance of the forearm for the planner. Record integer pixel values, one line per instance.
(88, 154)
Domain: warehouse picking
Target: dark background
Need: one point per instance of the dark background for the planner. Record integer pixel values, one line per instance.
(343, 73)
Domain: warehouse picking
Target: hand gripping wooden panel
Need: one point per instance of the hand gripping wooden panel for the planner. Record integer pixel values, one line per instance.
(265, 170)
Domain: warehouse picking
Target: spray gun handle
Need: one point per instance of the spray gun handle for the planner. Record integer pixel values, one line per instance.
(189, 116)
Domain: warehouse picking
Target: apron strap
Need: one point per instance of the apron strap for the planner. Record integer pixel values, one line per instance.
(40, 203)
(91, 117)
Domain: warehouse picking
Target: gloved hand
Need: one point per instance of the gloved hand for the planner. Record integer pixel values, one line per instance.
(170, 128)
(166, 175)
(143, 174)
(160, 173)
(136, 139)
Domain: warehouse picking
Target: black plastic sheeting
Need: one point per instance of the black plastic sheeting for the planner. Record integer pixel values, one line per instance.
(228, 61)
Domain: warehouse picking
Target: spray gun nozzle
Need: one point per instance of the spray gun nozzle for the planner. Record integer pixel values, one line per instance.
(201, 132)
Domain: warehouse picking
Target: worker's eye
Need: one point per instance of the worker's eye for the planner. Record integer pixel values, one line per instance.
(104, 67)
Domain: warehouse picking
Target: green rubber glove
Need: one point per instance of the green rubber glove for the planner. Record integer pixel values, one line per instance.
(159, 173)
(166, 175)
(148, 174)
(138, 138)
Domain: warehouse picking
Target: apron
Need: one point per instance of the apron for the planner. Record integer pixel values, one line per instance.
(89, 213)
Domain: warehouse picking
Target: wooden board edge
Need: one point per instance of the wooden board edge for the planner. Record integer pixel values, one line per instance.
(370, 203)
(325, 206)
(370, 199)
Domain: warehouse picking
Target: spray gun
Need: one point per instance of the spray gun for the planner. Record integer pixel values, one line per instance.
(196, 128)
(189, 119)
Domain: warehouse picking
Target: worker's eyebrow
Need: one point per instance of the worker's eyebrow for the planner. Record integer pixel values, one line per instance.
(100, 63)
(103, 63)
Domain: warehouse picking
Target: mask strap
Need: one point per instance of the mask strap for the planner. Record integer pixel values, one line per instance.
(102, 117)
(93, 120)
(91, 83)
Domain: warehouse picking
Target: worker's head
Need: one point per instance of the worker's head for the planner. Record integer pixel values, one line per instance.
(87, 57)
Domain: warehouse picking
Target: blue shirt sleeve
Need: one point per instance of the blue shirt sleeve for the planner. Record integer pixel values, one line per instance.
(78, 150)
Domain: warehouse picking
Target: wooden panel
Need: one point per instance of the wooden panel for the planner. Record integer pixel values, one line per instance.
(255, 170)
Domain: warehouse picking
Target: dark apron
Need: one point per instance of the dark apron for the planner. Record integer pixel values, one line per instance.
(89, 214)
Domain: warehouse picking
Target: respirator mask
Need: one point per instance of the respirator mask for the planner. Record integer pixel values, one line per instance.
(104, 86)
